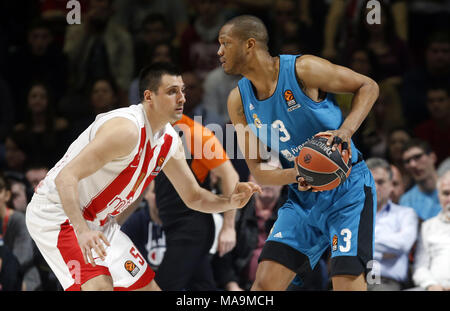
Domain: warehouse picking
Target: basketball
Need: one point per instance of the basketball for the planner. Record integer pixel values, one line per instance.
(322, 168)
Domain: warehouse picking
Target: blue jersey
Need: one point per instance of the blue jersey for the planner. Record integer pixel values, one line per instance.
(288, 118)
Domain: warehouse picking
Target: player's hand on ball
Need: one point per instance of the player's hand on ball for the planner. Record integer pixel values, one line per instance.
(341, 137)
(242, 193)
(92, 240)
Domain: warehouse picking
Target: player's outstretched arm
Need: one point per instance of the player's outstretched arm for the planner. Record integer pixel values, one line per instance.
(248, 144)
(114, 139)
(198, 198)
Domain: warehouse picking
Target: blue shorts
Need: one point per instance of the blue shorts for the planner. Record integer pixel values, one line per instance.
(342, 219)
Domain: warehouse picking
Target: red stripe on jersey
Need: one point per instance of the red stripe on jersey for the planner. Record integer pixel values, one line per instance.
(148, 157)
(160, 160)
(101, 200)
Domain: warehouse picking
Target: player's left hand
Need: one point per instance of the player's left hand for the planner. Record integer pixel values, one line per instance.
(242, 193)
(337, 137)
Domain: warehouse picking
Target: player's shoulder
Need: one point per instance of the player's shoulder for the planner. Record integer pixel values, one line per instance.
(308, 62)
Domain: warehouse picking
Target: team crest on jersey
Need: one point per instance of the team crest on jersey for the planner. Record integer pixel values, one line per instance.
(290, 101)
(158, 166)
(131, 267)
(334, 243)
(251, 107)
(257, 121)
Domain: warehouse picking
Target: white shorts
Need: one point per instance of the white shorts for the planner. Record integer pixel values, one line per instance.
(55, 237)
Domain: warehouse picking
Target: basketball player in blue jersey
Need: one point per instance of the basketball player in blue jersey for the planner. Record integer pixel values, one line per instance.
(284, 101)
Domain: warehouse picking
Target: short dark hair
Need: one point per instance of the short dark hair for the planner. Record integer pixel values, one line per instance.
(419, 143)
(249, 26)
(150, 76)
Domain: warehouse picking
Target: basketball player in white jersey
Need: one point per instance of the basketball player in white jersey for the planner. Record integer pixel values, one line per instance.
(71, 216)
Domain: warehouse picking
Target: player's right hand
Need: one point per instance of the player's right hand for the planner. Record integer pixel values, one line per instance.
(242, 193)
(92, 240)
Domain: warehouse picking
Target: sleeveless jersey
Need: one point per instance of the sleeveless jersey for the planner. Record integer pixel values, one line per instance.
(116, 185)
(288, 118)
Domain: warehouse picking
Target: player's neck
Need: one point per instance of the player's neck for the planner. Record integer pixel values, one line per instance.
(155, 120)
(263, 71)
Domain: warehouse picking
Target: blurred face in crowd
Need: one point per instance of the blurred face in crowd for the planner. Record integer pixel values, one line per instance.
(383, 184)
(37, 99)
(269, 195)
(438, 57)
(14, 156)
(154, 32)
(103, 97)
(19, 196)
(35, 175)
(194, 90)
(419, 164)
(444, 193)
(39, 39)
(5, 195)
(397, 140)
(398, 187)
(438, 103)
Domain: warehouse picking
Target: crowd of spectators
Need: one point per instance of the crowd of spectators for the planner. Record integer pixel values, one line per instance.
(56, 77)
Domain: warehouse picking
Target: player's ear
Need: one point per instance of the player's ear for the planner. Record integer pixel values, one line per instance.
(148, 95)
(251, 43)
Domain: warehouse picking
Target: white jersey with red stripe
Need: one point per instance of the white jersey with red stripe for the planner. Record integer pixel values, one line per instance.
(116, 185)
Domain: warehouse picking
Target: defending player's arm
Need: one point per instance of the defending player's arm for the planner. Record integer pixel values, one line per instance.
(319, 74)
(248, 144)
(198, 198)
(114, 139)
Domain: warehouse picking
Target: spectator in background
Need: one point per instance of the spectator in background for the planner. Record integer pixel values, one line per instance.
(159, 52)
(432, 257)
(39, 60)
(216, 86)
(390, 53)
(130, 14)
(436, 129)
(16, 152)
(16, 236)
(398, 186)
(196, 105)
(19, 196)
(46, 133)
(415, 82)
(154, 30)
(397, 139)
(199, 43)
(395, 231)
(102, 98)
(96, 48)
(385, 116)
(419, 160)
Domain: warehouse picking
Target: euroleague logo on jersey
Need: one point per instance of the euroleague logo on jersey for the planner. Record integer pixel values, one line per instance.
(290, 101)
(131, 267)
(158, 166)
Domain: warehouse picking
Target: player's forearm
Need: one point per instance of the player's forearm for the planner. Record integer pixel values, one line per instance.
(205, 201)
(362, 103)
(67, 187)
(265, 175)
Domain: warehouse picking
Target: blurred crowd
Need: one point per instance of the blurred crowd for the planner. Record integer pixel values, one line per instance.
(56, 77)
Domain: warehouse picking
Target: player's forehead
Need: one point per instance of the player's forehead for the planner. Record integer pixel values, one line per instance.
(170, 81)
(226, 32)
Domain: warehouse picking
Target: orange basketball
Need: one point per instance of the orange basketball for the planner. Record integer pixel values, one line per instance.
(322, 168)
